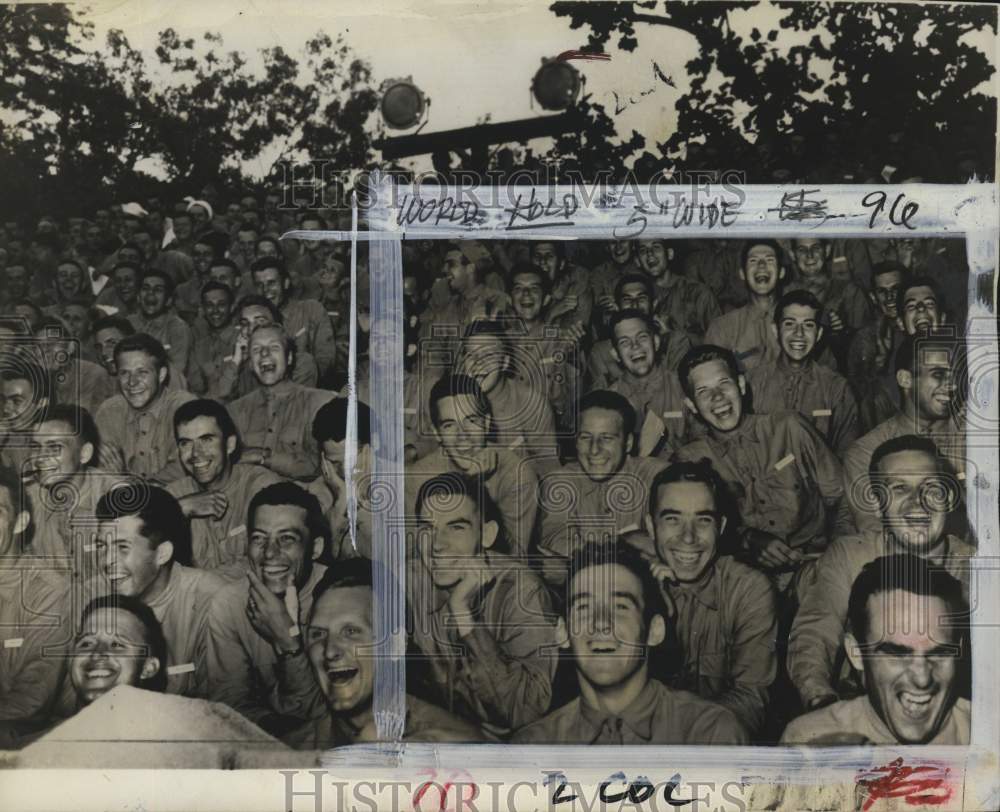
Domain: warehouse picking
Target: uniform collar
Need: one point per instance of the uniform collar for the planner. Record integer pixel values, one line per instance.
(705, 590)
(637, 717)
(723, 441)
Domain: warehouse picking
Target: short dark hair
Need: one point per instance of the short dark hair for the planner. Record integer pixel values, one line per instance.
(456, 484)
(266, 263)
(224, 262)
(205, 407)
(353, 572)
(289, 493)
(168, 280)
(161, 515)
(253, 300)
(918, 282)
(154, 637)
(133, 266)
(799, 296)
(558, 247)
(613, 402)
(525, 268)
(632, 313)
(598, 553)
(78, 419)
(330, 422)
(273, 241)
(143, 342)
(752, 243)
(211, 285)
(119, 323)
(890, 266)
(907, 573)
(905, 442)
(450, 386)
(635, 279)
(696, 356)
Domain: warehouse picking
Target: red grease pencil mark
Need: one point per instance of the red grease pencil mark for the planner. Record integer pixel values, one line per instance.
(916, 785)
(565, 56)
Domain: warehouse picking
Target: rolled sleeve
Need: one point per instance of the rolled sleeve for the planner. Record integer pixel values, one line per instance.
(818, 629)
(509, 675)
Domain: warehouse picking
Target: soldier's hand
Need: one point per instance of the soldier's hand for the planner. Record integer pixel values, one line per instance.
(208, 505)
(771, 552)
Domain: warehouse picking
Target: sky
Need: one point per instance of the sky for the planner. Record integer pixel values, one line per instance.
(470, 58)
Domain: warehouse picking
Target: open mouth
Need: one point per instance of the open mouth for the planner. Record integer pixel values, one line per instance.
(341, 676)
(722, 412)
(638, 359)
(687, 558)
(98, 673)
(274, 571)
(762, 278)
(916, 705)
(797, 346)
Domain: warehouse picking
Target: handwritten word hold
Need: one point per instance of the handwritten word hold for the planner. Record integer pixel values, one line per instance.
(533, 213)
(413, 210)
(918, 786)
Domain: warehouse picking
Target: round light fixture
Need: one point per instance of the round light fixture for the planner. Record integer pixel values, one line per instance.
(402, 104)
(556, 85)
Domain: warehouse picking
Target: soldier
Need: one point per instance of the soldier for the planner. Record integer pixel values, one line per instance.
(786, 480)
(747, 329)
(482, 619)
(216, 488)
(683, 304)
(725, 612)
(909, 637)
(603, 492)
(915, 494)
(136, 425)
(797, 382)
(648, 383)
(157, 318)
(614, 621)
(143, 549)
(339, 639)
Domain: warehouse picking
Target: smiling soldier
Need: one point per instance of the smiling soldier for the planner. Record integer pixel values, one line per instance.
(909, 637)
(217, 489)
(257, 662)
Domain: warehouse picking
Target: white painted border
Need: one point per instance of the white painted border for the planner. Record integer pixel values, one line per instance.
(945, 211)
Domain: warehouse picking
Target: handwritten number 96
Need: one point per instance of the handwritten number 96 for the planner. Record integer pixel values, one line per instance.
(897, 216)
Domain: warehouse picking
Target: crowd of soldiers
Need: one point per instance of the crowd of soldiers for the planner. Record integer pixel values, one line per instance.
(666, 492)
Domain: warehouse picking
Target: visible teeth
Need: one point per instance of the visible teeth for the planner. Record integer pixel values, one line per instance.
(99, 672)
(915, 704)
(275, 570)
(687, 558)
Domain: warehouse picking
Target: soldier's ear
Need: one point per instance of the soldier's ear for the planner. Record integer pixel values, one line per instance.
(164, 552)
(149, 667)
(22, 523)
(657, 631)
(490, 532)
(819, 334)
(562, 634)
(853, 651)
(230, 445)
(904, 378)
(741, 381)
(691, 407)
(86, 453)
(629, 443)
(162, 375)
